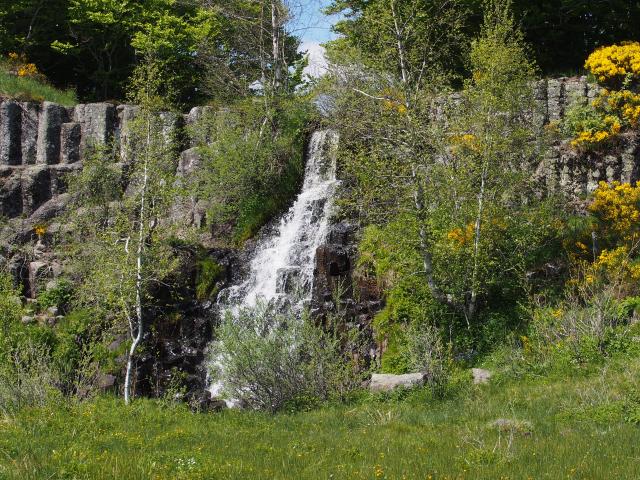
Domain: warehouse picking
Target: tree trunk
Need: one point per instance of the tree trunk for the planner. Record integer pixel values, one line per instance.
(275, 43)
(139, 326)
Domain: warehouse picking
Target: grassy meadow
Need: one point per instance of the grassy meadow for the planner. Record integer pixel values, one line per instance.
(578, 427)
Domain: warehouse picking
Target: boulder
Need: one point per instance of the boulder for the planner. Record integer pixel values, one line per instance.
(385, 382)
(37, 276)
(105, 381)
(480, 375)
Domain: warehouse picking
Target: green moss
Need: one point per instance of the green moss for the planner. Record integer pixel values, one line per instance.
(209, 273)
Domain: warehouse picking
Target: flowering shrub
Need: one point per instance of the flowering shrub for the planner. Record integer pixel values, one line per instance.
(615, 64)
(616, 210)
(616, 206)
(614, 109)
(461, 237)
(21, 67)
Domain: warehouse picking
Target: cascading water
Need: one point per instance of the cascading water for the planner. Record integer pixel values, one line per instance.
(281, 270)
(283, 263)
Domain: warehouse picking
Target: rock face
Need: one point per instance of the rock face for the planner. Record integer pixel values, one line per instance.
(384, 382)
(41, 143)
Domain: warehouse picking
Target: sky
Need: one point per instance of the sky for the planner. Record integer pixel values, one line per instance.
(314, 28)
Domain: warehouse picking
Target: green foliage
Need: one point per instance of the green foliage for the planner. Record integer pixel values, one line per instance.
(418, 40)
(561, 32)
(582, 117)
(253, 166)
(27, 379)
(58, 296)
(581, 425)
(208, 274)
(96, 45)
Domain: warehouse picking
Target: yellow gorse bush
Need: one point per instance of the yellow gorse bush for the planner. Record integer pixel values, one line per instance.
(615, 63)
(617, 207)
(461, 237)
(614, 109)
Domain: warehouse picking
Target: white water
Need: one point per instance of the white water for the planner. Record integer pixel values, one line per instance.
(281, 270)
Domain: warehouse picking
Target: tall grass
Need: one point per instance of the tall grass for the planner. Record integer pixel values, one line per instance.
(31, 89)
(578, 428)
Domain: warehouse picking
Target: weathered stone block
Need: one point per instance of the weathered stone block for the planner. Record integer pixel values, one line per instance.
(190, 161)
(49, 126)
(555, 98)
(70, 138)
(29, 133)
(575, 91)
(38, 272)
(383, 382)
(10, 192)
(126, 116)
(98, 122)
(10, 132)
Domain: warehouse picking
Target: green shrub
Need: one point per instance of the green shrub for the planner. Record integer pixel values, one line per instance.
(27, 378)
(272, 361)
(58, 296)
(253, 161)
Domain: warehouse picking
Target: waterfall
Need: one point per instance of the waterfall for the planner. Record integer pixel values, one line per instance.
(281, 270)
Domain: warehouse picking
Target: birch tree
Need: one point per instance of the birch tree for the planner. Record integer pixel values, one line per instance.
(443, 176)
(119, 241)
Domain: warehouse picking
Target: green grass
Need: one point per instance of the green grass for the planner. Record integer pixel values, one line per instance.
(579, 427)
(30, 89)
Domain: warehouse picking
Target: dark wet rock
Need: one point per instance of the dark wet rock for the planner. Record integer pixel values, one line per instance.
(204, 402)
(288, 280)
